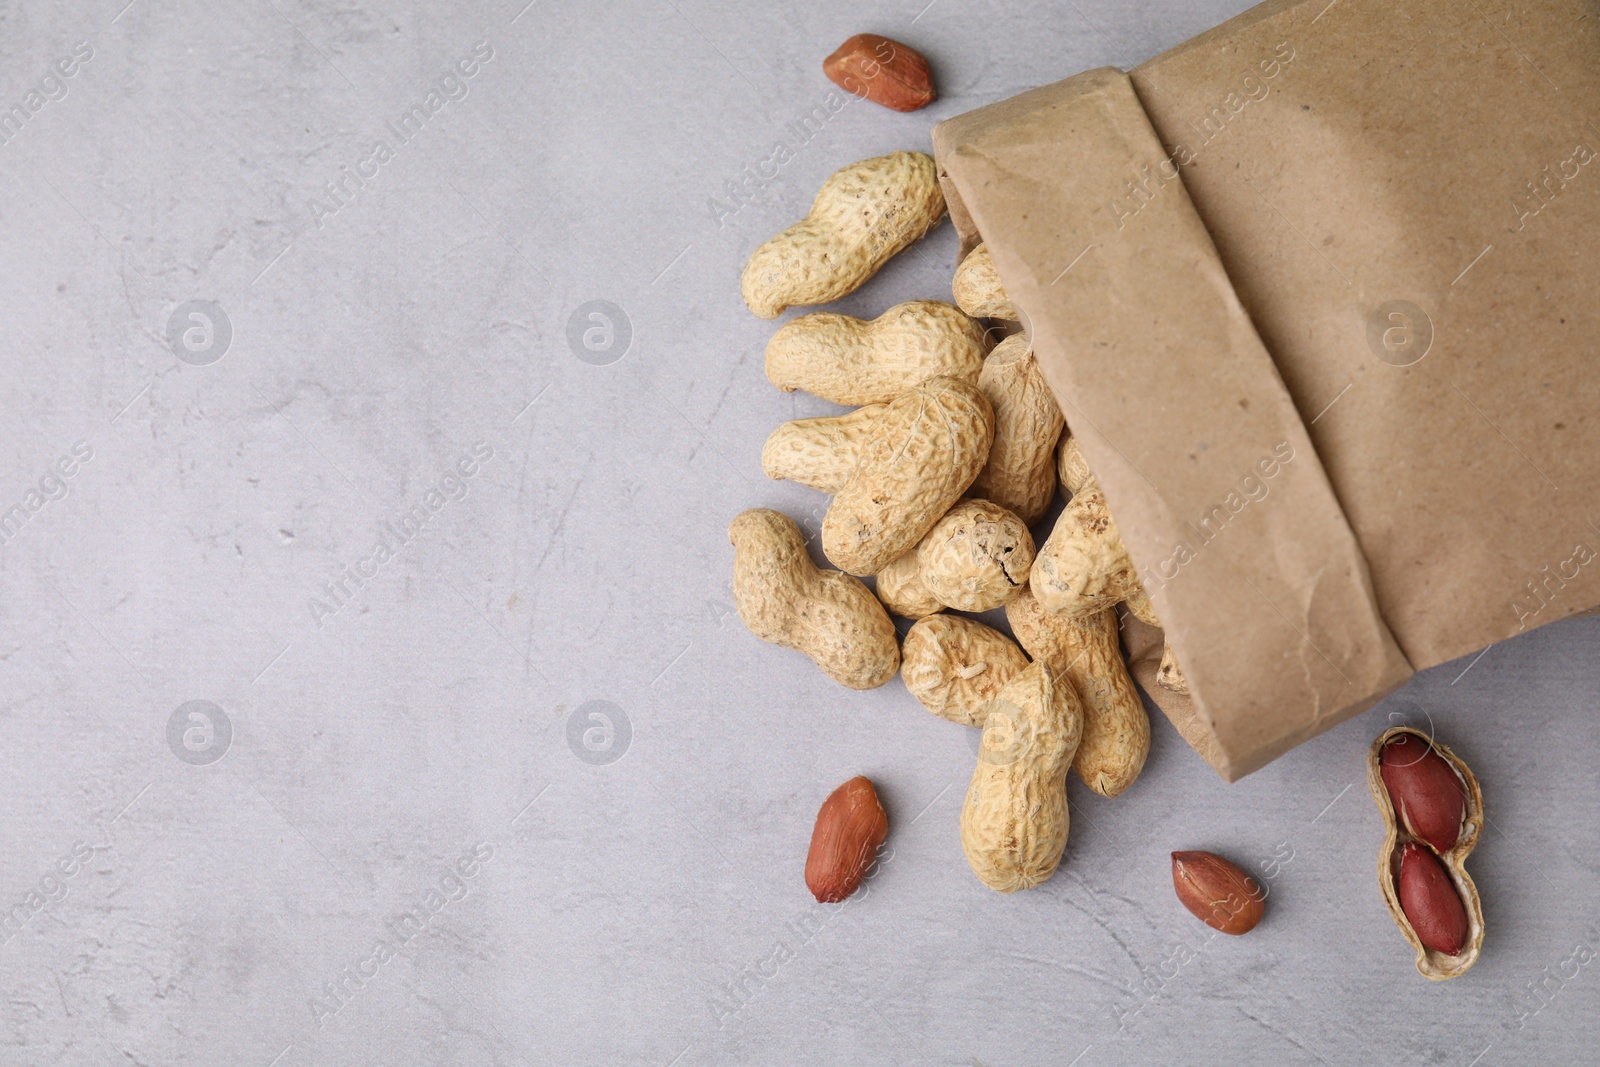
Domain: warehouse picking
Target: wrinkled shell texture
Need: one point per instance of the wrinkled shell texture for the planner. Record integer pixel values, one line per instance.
(1138, 601)
(977, 557)
(1014, 821)
(1021, 471)
(1083, 567)
(1072, 468)
(1169, 675)
(1435, 966)
(822, 452)
(1076, 478)
(785, 598)
(853, 361)
(1116, 728)
(902, 592)
(922, 454)
(862, 216)
(955, 666)
(977, 287)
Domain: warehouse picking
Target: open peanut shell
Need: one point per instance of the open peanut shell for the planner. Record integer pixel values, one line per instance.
(1436, 966)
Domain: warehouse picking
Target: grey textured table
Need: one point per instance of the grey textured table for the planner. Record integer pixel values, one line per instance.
(308, 430)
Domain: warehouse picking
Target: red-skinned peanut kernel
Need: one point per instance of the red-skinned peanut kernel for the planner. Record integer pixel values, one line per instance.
(1431, 901)
(1427, 794)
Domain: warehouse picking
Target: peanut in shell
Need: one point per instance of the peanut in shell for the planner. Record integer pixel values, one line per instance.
(954, 666)
(863, 214)
(855, 361)
(1431, 963)
(1020, 474)
(820, 452)
(922, 454)
(1014, 821)
(975, 558)
(1086, 651)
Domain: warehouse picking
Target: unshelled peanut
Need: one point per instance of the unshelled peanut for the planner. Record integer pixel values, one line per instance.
(921, 455)
(955, 666)
(902, 592)
(1071, 467)
(1021, 472)
(821, 452)
(977, 557)
(1138, 604)
(1083, 566)
(1014, 822)
(1085, 651)
(862, 216)
(855, 361)
(1169, 675)
(977, 288)
(785, 598)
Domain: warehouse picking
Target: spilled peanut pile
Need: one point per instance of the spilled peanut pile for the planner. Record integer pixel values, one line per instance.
(952, 452)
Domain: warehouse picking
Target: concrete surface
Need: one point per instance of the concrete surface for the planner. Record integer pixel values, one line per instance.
(534, 724)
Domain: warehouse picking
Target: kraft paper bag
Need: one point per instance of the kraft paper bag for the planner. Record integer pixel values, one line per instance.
(1317, 291)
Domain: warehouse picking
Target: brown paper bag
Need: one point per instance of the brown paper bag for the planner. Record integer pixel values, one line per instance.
(1316, 291)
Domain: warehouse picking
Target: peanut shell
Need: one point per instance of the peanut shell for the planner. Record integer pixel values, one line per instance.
(1021, 471)
(821, 452)
(855, 361)
(1087, 652)
(1436, 966)
(1014, 822)
(954, 666)
(922, 454)
(975, 558)
(863, 215)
